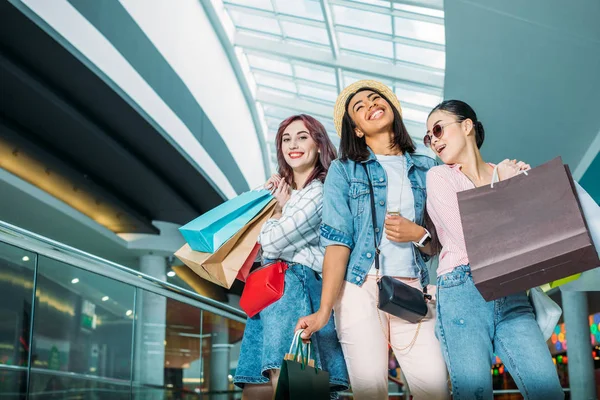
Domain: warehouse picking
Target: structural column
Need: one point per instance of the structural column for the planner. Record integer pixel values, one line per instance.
(219, 357)
(150, 325)
(579, 350)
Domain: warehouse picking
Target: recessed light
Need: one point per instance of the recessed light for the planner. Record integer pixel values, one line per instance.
(25, 258)
(75, 280)
(129, 312)
(171, 274)
(105, 298)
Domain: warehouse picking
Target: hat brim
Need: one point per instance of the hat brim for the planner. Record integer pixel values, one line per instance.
(340, 104)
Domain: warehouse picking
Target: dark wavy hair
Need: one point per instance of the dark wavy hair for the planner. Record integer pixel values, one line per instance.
(318, 133)
(354, 148)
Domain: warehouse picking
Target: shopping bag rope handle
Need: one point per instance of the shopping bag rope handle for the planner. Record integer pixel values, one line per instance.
(298, 346)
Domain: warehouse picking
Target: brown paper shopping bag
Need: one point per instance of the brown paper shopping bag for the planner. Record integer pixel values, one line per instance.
(526, 231)
(222, 266)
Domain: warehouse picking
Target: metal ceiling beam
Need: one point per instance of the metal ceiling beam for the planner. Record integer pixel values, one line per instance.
(390, 38)
(395, 13)
(297, 104)
(217, 25)
(274, 15)
(362, 65)
(335, 49)
(320, 85)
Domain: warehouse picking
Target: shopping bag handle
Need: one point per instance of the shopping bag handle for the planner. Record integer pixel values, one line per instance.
(496, 176)
(297, 348)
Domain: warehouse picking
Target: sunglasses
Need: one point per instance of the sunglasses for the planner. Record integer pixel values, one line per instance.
(437, 131)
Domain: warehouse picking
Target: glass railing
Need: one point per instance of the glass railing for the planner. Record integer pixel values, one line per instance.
(73, 325)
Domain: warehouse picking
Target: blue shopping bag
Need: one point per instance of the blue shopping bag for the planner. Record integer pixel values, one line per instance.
(209, 231)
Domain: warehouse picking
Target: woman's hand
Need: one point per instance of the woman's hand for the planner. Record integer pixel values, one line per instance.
(401, 230)
(282, 195)
(312, 323)
(273, 182)
(510, 168)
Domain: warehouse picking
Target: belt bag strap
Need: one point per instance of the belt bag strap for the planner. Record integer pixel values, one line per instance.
(395, 297)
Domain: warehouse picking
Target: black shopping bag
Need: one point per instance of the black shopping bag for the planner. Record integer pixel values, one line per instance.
(299, 379)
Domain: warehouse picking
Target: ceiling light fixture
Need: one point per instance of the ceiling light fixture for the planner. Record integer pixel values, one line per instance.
(75, 280)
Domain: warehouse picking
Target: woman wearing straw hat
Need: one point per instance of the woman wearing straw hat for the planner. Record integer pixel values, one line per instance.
(376, 149)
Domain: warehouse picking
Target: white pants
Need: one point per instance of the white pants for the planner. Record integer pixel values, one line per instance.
(365, 345)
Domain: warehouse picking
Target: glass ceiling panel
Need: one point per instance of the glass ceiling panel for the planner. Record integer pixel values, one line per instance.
(269, 64)
(365, 20)
(305, 32)
(306, 9)
(426, 31)
(318, 93)
(315, 74)
(418, 98)
(414, 115)
(274, 82)
(255, 22)
(419, 10)
(290, 74)
(380, 3)
(376, 47)
(419, 55)
(262, 4)
(350, 78)
(281, 113)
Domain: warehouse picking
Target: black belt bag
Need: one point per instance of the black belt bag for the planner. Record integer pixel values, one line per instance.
(395, 297)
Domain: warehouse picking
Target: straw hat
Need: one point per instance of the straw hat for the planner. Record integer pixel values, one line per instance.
(340, 104)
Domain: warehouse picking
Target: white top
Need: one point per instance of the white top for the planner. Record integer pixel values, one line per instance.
(295, 237)
(397, 259)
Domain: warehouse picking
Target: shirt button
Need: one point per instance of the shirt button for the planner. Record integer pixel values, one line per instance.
(381, 179)
(376, 230)
(358, 279)
(381, 202)
(369, 255)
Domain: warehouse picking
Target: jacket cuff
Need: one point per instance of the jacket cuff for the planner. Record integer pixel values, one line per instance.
(331, 236)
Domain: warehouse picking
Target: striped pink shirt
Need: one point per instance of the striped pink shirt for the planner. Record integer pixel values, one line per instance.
(443, 183)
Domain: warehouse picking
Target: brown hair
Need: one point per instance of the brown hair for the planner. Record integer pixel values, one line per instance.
(318, 133)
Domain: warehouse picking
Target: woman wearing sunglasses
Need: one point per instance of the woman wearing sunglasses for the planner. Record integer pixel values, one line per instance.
(375, 147)
(470, 329)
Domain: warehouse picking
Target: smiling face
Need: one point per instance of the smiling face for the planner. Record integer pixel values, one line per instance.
(371, 113)
(299, 149)
(455, 135)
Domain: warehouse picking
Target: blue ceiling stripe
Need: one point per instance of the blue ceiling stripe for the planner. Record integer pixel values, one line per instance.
(115, 23)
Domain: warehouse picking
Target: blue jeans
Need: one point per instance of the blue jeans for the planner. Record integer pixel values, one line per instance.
(471, 331)
(268, 335)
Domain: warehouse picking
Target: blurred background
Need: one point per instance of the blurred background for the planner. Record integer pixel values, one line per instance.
(121, 120)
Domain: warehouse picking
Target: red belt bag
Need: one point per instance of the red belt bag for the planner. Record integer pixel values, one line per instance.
(264, 287)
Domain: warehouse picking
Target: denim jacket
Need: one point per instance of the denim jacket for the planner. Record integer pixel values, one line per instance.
(347, 210)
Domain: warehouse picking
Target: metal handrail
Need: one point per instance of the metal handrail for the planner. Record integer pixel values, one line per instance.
(14, 231)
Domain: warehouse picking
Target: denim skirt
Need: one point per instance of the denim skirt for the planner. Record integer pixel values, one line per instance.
(268, 335)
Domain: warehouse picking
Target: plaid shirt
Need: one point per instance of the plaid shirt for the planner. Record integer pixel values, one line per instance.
(295, 236)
